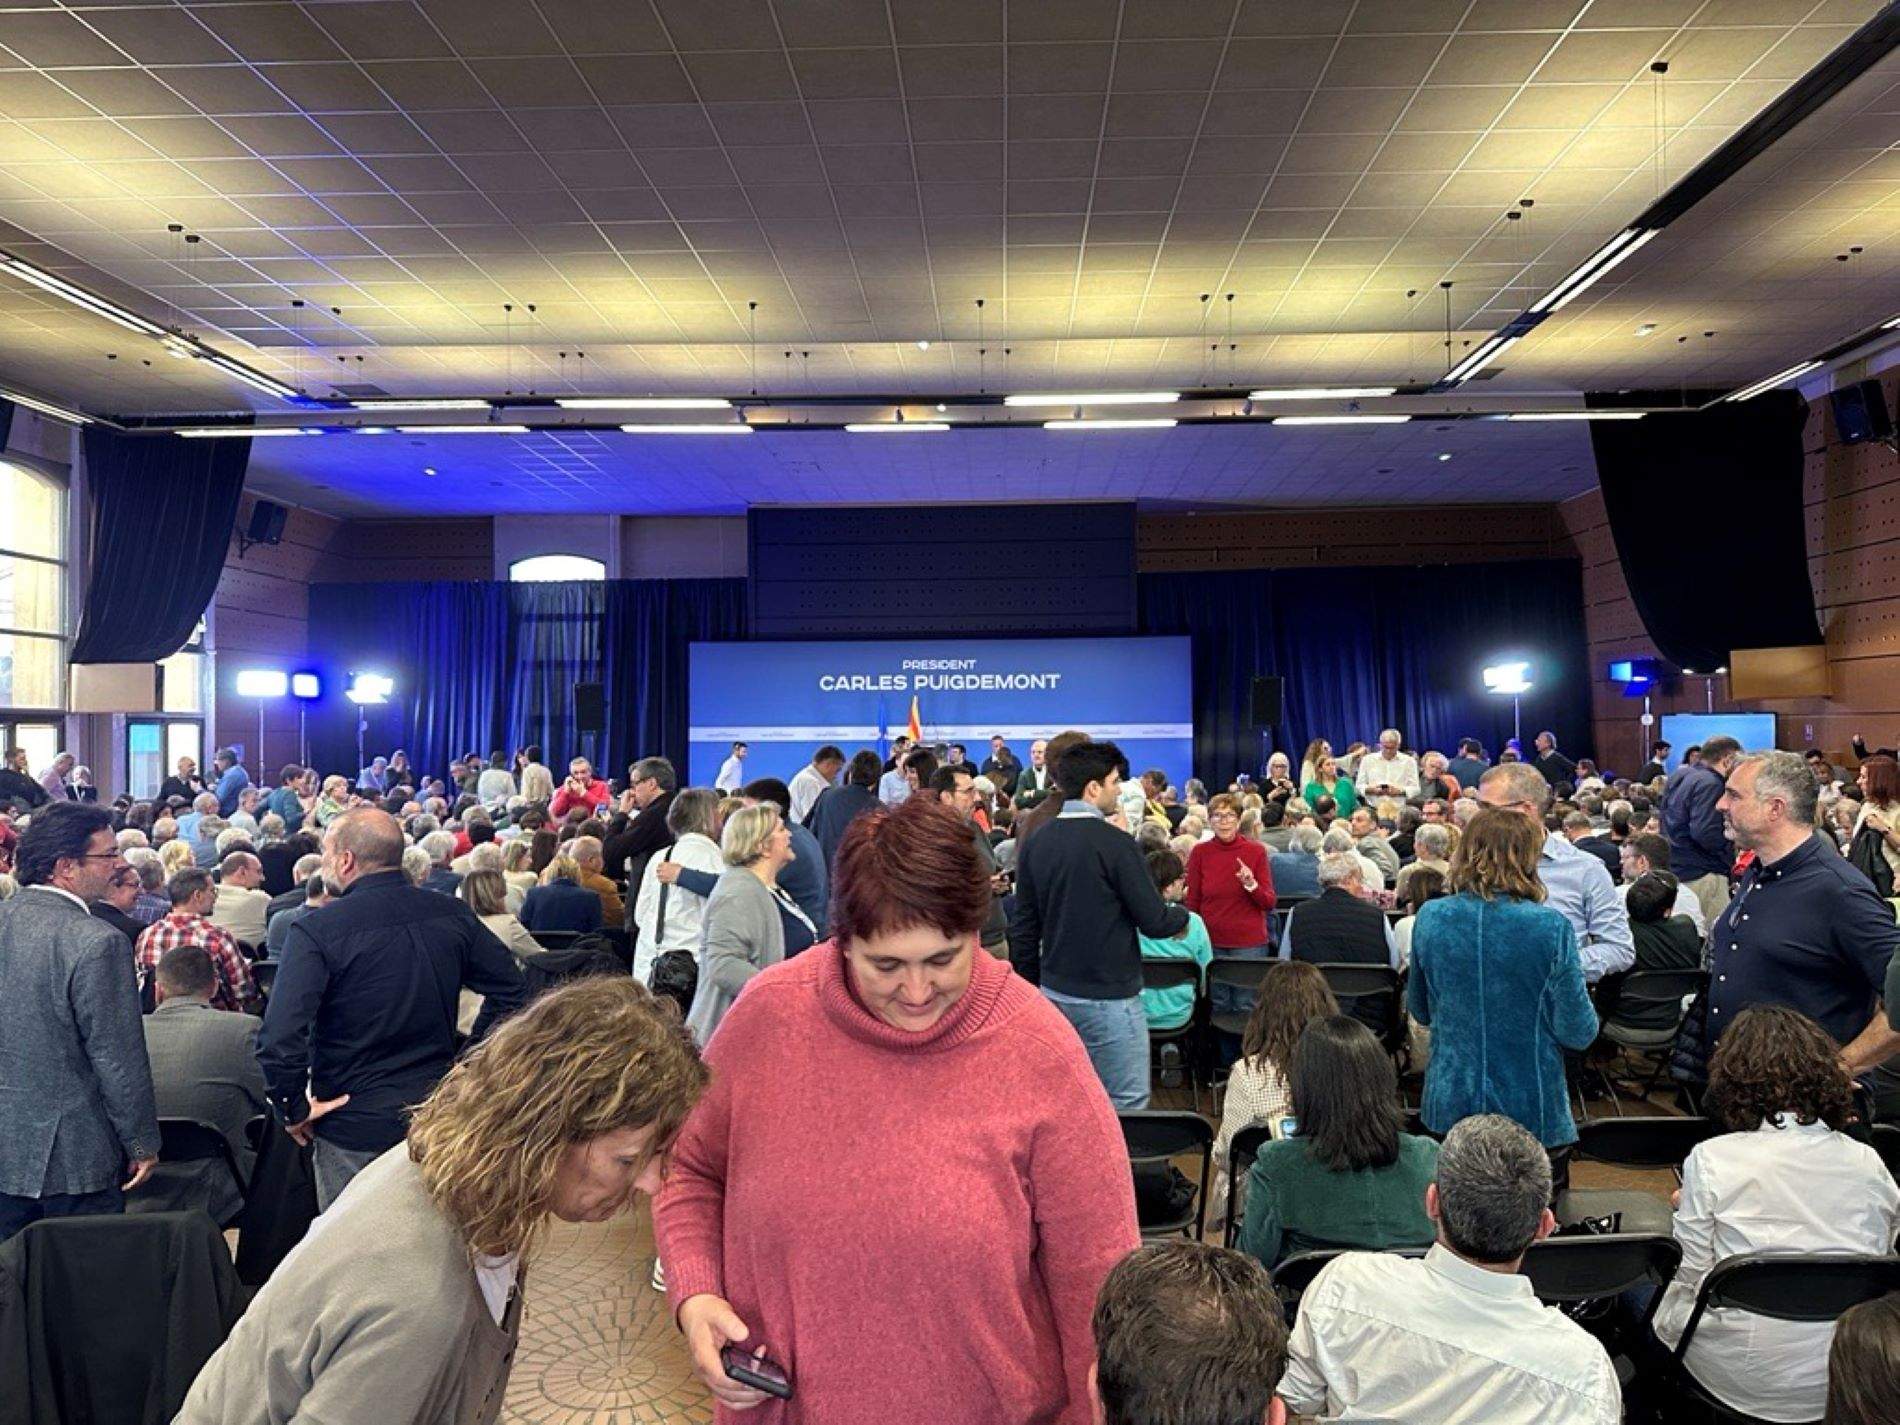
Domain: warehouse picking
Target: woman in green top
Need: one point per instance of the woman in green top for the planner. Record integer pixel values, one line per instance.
(1173, 1007)
(1350, 1178)
(1328, 783)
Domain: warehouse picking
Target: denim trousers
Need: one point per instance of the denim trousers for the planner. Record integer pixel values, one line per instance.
(1115, 1033)
(333, 1167)
(19, 1213)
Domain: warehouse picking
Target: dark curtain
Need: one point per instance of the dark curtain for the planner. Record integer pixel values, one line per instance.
(648, 625)
(1706, 508)
(163, 510)
(557, 644)
(6, 421)
(1362, 649)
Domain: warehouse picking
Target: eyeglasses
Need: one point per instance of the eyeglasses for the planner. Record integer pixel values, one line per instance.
(97, 856)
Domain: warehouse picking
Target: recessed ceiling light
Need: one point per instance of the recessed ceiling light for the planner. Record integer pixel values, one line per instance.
(1340, 420)
(685, 428)
(1097, 398)
(643, 403)
(422, 403)
(223, 432)
(1574, 416)
(464, 430)
(895, 427)
(1646, 328)
(1444, 455)
(428, 470)
(923, 346)
(1320, 393)
(1160, 423)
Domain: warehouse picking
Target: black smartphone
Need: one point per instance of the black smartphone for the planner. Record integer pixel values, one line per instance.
(759, 1372)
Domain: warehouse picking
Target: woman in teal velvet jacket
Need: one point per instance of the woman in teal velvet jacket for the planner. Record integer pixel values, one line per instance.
(1496, 976)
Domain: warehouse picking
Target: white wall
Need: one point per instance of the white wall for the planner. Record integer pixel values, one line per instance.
(524, 536)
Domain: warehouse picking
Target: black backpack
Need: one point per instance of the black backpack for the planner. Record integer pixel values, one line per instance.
(1868, 855)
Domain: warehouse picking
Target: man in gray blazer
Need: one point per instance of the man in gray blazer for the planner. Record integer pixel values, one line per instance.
(78, 1127)
(204, 1067)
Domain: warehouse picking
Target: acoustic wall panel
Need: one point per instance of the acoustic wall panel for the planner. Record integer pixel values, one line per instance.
(877, 571)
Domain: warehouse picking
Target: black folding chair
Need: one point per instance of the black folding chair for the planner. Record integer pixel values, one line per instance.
(1370, 994)
(1241, 1151)
(1240, 974)
(264, 975)
(186, 1140)
(1567, 1269)
(557, 939)
(1158, 974)
(1884, 1138)
(1295, 1274)
(1646, 1019)
(1155, 1137)
(1658, 1142)
(1808, 1286)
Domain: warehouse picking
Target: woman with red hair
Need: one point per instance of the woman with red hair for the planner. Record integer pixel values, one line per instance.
(905, 1185)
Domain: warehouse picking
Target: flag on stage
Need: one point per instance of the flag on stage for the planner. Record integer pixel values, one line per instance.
(883, 728)
(916, 728)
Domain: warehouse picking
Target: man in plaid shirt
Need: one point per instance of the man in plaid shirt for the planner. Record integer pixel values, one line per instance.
(193, 893)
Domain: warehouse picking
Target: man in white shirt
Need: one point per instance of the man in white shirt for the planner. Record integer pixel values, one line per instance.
(894, 788)
(1388, 772)
(1458, 1335)
(812, 779)
(242, 906)
(732, 771)
(1646, 852)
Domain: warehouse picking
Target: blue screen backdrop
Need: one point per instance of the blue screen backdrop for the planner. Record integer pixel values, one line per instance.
(787, 699)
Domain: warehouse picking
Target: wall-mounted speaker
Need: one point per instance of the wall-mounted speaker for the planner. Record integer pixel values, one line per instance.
(267, 523)
(1267, 705)
(590, 707)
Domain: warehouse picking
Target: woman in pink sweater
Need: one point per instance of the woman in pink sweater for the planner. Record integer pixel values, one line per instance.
(905, 1185)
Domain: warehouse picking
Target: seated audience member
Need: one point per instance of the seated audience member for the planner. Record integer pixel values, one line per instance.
(1644, 852)
(1784, 1178)
(316, 895)
(835, 808)
(1229, 885)
(304, 868)
(151, 903)
(582, 790)
(1497, 979)
(1863, 1364)
(1339, 839)
(416, 866)
(242, 900)
(1666, 939)
(1292, 995)
(1173, 1007)
(1188, 1332)
(115, 906)
(477, 830)
(1431, 847)
(670, 905)
(1581, 832)
(1420, 890)
(440, 846)
(204, 1067)
(486, 893)
(586, 854)
(1434, 779)
(516, 869)
(1346, 1176)
(561, 902)
(193, 894)
(1458, 1335)
(280, 858)
(406, 1295)
(760, 1255)
(1295, 870)
(1370, 841)
(1340, 926)
(741, 930)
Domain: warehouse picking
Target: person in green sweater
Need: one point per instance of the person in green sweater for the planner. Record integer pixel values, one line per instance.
(1348, 1176)
(1173, 1007)
(1327, 782)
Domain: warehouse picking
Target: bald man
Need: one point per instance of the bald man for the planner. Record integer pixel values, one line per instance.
(361, 1021)
(243, 905)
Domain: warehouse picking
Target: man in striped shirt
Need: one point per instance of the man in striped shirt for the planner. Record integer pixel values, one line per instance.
(193, 894)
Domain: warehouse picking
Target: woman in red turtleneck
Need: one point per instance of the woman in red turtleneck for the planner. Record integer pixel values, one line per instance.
(905, 1184)
(1228, 883)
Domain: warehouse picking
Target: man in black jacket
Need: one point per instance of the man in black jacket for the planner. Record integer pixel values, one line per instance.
(1553, 764)
(361, 1021)
(632, 839)
(837, 807)
(1082, 893)
(17, 787)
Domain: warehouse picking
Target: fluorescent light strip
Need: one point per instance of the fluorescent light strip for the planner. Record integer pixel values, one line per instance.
(1321, 393)
(426, 403)
(1890, 324)
(1340, 420)
(1575, 415)
(1613, 252)
(46, 408)
(643, 403)
(1488, 351)
(1158, 423)
(1098, 398)
(686, 428)
(255, 432)
(79, 296)
(895, 427)
(463, 430)
(1770, 382)
(270, 385)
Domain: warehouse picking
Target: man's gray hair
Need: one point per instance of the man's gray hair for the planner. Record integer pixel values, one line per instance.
(1464, 809)
(1305, 837)
(486, 857)
(1520, 782)
(306, 867)
(232, 838)
(440, 845)
(1340, 868)
(205, 802)
(658, 769)
(1788, 776)
(1297, 807)
(416, 865)
(151, 870)
(421, 827)
(1493, 1186)
(131, 838)
(1432, 840)
(1393, 732)
(585, 848)
(1338, 838)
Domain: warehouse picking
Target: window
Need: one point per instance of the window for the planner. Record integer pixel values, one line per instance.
(40, 739)
(32, 589)
(548, 568)
(153, 747)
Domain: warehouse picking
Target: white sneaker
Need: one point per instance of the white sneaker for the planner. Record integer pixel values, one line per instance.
(659, 1276)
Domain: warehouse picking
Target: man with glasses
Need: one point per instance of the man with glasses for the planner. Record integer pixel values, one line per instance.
(78, 1128)
(1575, 882)
(639, 827)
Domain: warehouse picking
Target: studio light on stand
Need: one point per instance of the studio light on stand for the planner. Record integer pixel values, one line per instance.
(367, 690)
(1511, 680)
(263, 684)
(306, 688)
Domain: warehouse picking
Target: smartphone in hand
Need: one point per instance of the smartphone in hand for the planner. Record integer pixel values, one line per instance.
(759, 1372)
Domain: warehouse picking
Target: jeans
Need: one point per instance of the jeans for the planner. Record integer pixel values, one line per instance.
(18, 1213)
(333, 1168)
(1115, 1033)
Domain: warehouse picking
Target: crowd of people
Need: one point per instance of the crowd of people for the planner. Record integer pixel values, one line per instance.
(863, 1035)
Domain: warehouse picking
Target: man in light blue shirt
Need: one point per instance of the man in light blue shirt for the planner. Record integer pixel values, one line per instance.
(894, 787)
(203, 805)
(1575, 882)
(232, 780)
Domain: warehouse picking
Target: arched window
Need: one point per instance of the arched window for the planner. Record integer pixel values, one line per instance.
(549, 568)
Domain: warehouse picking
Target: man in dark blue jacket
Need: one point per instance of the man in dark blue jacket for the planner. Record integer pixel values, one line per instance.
(1699, 848)
(361, 1021)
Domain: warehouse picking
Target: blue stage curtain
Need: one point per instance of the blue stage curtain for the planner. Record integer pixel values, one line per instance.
(557, 644)
(648, 625)
(1362, 649)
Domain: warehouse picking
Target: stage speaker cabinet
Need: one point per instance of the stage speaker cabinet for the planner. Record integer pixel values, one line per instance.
(590, 707)
(267, 523)
(1267, 705)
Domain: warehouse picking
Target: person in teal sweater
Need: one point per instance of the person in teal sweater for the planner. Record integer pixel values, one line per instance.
(1327, 782)
(1348, 1176)
(1173, 1007)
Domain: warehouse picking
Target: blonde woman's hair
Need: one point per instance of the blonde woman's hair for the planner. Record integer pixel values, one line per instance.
(561, 868)
(175, 855)
(595, 1056)
(729, 807)
(746, 832)
(1497, 856)
(485, 892)
(516, 854)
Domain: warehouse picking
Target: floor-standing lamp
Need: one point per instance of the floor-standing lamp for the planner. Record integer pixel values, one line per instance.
(1512, 680)
(263, 684)
(367, 690)
(306, 688)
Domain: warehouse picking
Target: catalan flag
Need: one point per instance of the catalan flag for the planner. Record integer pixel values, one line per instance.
(916, 728)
